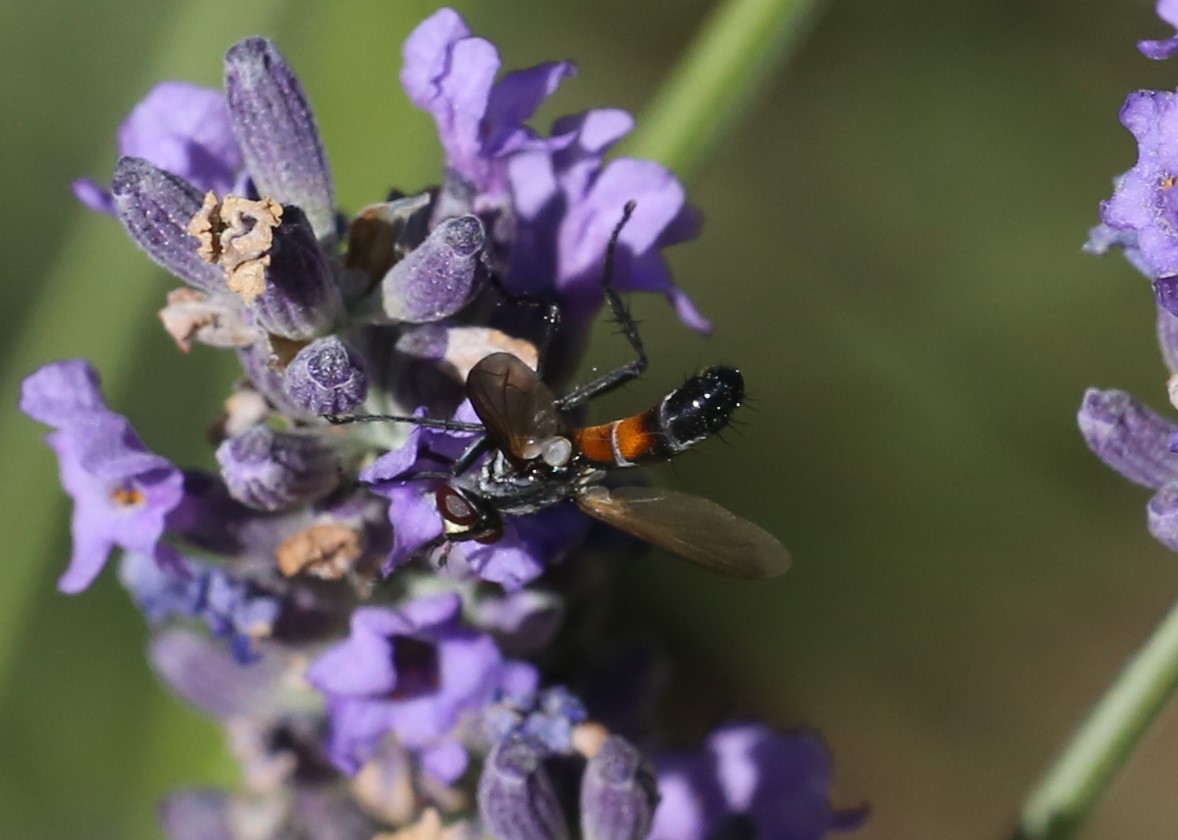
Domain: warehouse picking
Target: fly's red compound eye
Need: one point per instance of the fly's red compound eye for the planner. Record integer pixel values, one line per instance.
(454, 508)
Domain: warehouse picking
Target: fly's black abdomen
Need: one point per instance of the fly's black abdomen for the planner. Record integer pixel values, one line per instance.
(701, 406)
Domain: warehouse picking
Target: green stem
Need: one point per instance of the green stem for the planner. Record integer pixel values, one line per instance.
(1067, 795)
(738, 48)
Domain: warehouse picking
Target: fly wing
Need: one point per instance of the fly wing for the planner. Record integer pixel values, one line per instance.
(693, 528)
(516, 407)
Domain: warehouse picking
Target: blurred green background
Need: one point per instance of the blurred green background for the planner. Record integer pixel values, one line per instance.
(892, 256)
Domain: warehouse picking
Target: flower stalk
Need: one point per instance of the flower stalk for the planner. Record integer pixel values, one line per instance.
(1062, 802)
(736, 51)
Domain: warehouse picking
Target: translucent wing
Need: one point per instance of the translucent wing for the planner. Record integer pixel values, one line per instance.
(693, 528)
(518, 409)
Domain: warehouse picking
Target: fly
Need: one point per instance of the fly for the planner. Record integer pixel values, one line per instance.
(536, 461)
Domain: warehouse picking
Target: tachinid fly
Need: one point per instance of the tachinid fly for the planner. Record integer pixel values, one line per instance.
(535, 461)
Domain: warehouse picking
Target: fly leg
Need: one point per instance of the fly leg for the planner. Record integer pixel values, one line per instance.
(629, 327)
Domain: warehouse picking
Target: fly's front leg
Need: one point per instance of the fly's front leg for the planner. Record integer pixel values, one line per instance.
(625, 321)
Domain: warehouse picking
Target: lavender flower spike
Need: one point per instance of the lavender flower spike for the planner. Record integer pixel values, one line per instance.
(516, 797)
(156, 207)
(1129, 437)
(276, 130)
(1158, 50)
(326, 377)
(440, 276)
(618, 794)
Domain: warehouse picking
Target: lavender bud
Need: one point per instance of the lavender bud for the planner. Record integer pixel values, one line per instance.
(155, 207)
(271, 470)
(276, 131)
(196, 815)
(1168, 338)
(618, 793)
(326, 377)
(256, 361)
(1165, 291)
(1128, 437)
(516, 797)
(440, 276)
(301, 299)
(1163, 516)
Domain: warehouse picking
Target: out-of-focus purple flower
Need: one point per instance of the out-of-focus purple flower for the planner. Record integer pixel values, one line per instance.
(122, 492)
(516, 797)
(415, 671)
(548, 202)
(778, 785)
(1142, 213)
(271, 470)
(1157, 50)
(547, 716)
(232, 608)
(210, 677)
(619, 793)
(182, 129)
(1129, 437)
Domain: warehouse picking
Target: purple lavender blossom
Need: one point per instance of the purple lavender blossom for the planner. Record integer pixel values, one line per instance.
(122, 492)
(563, 200)
(416, 672)
(1142, 214)
(232, 608)
(776, 785)
(1168, 11)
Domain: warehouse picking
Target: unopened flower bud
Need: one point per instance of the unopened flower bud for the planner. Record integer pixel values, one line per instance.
(516, 797)
(274, 126)
(272, 470)
(301, 299)
(326, 377)
(156, 207)
(1163, 516)
(1129, 437)
(440, 276)
(618, 793)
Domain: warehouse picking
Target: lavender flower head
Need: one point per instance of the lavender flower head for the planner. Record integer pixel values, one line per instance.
(1141, 218)
(374, 668)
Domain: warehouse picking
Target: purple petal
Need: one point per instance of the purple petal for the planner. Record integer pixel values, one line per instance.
(361, 666)
(1167, 10)
(59, 393)
(426, 55)
(446, 761)
(93, 195)
(206, 675)
(184, 129)
(515, 98)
